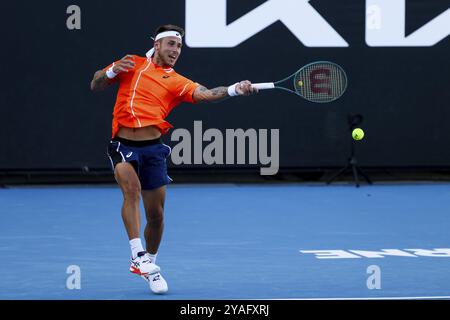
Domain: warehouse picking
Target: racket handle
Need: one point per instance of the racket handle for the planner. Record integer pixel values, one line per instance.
(263, 86)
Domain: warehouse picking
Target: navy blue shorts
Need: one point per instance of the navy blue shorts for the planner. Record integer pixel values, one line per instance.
(148, 159)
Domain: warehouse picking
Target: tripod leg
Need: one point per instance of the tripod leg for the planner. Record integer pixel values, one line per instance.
(355, 175)
(364, 175)
(337, 174)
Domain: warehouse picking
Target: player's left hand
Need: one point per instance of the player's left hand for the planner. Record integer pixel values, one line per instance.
(245, 88)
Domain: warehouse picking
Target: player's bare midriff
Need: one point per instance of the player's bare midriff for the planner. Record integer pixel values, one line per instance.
(139, 134)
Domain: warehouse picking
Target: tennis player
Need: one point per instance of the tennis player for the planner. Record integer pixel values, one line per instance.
(149, 88)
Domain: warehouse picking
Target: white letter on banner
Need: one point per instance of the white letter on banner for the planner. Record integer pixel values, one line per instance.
(390, 29)
(297, 15)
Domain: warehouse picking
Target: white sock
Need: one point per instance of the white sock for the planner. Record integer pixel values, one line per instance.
(136, 246)
(153, 257)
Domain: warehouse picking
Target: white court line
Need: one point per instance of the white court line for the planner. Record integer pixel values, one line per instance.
(371, 298)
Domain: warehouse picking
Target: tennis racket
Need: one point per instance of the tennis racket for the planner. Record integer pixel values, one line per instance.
(320, 82)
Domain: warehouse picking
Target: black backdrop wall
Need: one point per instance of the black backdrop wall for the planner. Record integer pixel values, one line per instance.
(51, 120)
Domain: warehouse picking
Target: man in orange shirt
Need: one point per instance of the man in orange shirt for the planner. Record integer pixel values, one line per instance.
(149, 89)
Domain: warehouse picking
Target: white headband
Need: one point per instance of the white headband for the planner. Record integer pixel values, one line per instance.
(168, 34)
(161, 35)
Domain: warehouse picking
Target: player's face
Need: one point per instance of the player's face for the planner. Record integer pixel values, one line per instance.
(169, 50)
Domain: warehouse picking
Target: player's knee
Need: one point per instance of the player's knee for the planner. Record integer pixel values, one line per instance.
(132, 192)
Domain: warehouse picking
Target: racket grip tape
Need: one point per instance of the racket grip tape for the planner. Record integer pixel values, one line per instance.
(263, 86)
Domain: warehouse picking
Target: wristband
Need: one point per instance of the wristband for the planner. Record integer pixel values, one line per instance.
(110, 73)
(232, 90)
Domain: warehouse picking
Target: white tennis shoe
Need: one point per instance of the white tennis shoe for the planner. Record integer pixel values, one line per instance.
(142, 265)
(156, 283)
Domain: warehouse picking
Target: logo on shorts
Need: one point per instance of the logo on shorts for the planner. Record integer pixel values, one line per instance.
(129, 154)
(165, 77)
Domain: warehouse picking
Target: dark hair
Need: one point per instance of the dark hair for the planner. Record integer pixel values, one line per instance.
(169, 27)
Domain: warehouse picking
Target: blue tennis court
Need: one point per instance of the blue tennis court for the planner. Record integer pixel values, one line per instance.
(229, 241)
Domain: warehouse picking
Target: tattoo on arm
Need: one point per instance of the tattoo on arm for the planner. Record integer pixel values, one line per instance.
(100, 81)
(218, 94)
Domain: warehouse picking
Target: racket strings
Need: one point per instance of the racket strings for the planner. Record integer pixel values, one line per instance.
(320, 82)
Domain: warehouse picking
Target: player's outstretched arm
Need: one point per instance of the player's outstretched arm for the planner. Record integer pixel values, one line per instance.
(104, 78)
(243, 88)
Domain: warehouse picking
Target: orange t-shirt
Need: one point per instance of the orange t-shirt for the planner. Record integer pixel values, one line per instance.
(147, 94)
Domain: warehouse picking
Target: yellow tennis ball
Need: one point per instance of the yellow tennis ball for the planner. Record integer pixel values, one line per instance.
(300, 83)
(358, 133)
